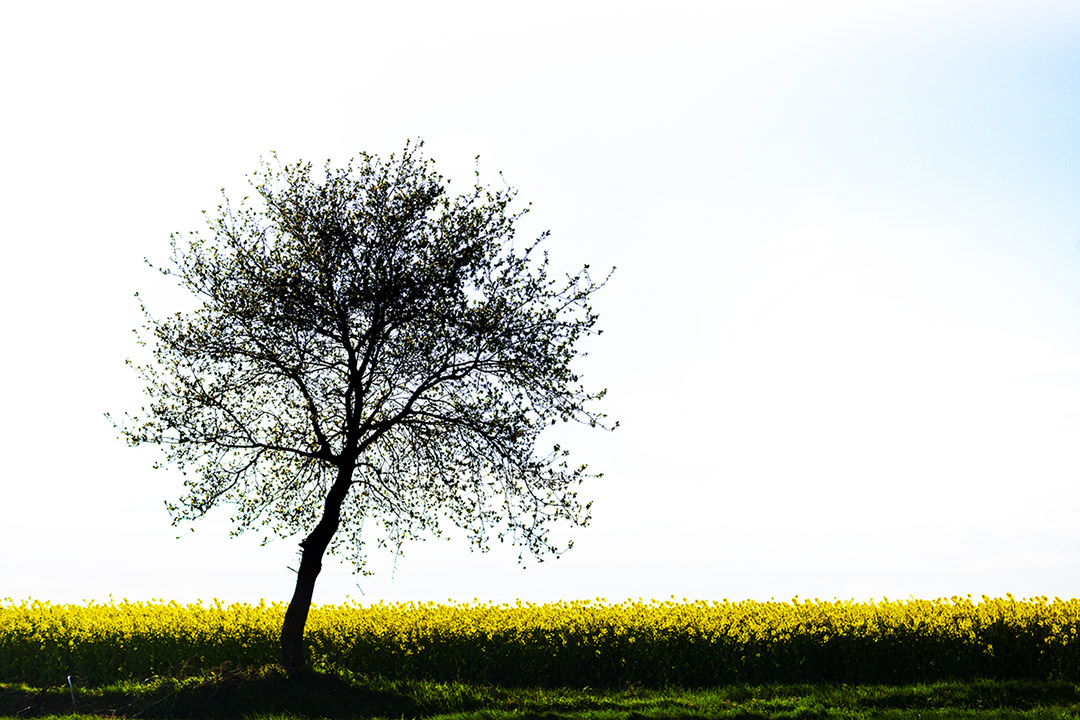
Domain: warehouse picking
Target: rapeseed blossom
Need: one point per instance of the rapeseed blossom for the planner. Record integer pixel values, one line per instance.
(571, 643)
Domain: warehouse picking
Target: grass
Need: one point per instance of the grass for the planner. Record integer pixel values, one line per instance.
(269, 694)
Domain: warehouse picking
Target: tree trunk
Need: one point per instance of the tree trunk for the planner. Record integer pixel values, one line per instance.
(314, 546)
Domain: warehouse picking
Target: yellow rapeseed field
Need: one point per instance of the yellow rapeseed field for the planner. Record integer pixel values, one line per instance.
(579, 643)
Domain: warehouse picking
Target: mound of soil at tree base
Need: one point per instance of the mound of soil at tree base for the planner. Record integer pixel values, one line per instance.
(225, 694)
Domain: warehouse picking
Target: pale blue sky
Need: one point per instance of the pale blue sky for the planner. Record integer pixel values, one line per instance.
(843, 339)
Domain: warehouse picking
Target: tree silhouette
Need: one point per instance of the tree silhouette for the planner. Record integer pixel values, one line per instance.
(369, 346)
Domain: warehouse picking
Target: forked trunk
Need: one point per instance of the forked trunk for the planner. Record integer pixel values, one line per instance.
(314, 546)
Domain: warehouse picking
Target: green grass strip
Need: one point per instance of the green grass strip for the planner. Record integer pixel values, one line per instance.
(269, 694)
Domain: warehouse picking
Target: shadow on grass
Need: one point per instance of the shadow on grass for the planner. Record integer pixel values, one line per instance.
(271, 694)
(226, 693)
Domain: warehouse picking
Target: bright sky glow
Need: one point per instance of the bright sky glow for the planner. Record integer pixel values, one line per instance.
(843, 339)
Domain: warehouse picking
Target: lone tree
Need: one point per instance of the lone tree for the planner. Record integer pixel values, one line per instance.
(369, 346)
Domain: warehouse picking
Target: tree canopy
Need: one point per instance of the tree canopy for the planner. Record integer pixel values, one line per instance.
(370, 348)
